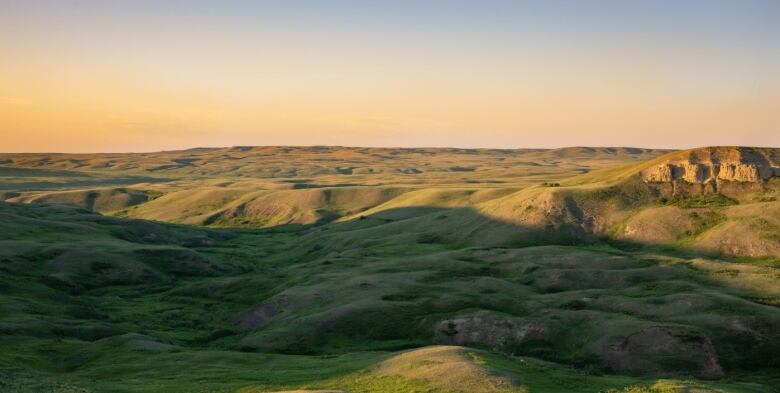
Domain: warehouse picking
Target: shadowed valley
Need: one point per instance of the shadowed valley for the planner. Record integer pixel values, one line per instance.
(263, 269)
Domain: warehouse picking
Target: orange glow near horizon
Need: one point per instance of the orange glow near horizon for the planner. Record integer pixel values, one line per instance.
(73, 84)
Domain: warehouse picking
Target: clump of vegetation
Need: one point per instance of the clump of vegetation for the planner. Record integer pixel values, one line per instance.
(429, 238)
(546, 184)
(704, 220)
(699, 201)
(765, 198)
(769, 230)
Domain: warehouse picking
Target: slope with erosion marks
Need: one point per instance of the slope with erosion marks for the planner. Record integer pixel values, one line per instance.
(364, 284)
(625, 204)
(615, 203)
(724, 202)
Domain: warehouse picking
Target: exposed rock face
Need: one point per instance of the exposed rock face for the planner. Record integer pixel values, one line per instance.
(664, 349)
(707, 169)
(647, 350)
(493, 332)
(703, 173)
(663, 173)
(258, 316)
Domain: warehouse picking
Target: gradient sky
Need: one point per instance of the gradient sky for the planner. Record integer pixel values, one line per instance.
(84, 76)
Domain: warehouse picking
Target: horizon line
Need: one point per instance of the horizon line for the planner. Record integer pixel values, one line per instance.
(380, 147)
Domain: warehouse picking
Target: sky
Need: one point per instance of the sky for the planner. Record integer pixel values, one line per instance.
(118, 76)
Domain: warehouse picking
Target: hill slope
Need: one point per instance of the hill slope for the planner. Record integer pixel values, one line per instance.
(600, 281)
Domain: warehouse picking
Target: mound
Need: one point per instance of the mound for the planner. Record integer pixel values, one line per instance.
(448, 368)
(99, 200)
(750, 230)
(250, 206)
(66, 249)
(308, 206)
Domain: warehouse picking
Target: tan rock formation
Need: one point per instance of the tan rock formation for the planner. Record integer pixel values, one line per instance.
(658, 174)
(716, 164)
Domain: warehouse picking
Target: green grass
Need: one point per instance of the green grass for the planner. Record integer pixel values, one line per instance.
(112, 304)
(700, 201)
(123, 370)
(338, 300)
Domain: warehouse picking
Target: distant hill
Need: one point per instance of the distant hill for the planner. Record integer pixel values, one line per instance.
(317, 161)
(692, 198)
(266, 186)
(328, 269)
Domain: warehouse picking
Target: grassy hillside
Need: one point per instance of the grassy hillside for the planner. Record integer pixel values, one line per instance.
(386, 285)
(86, 296)
(334, 164)
(268, 186)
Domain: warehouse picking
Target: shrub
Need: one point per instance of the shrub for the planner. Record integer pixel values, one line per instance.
(699, 201)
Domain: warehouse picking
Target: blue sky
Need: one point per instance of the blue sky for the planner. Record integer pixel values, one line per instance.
(117, 76)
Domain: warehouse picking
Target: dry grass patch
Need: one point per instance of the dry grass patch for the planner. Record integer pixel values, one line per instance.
(450, 368)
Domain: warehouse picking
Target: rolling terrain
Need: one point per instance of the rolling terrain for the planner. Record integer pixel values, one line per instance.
(330, 269)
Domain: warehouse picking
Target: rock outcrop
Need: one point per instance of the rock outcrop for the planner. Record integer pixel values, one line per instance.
(709, 169)
(664, 349)
(642, 350)
(493, 332)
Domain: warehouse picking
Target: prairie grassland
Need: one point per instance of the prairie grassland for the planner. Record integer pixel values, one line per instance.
(343, 269)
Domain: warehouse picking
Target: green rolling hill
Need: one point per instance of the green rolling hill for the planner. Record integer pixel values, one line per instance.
(391, 270)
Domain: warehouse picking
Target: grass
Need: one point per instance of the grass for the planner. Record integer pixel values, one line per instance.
(484, 260)
(128, 370)
(337, 302)
(700, 201)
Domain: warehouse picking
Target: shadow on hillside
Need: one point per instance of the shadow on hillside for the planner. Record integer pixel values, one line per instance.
(467, 227)
(405, 277)
(31, 179)
(474, 280)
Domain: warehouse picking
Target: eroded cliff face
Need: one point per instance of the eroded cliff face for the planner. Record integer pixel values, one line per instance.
(703, 173)
(710, 169)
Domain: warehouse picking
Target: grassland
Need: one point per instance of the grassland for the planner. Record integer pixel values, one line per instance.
(336, 269)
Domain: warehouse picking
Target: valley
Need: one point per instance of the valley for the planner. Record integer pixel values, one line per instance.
(335, 269)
